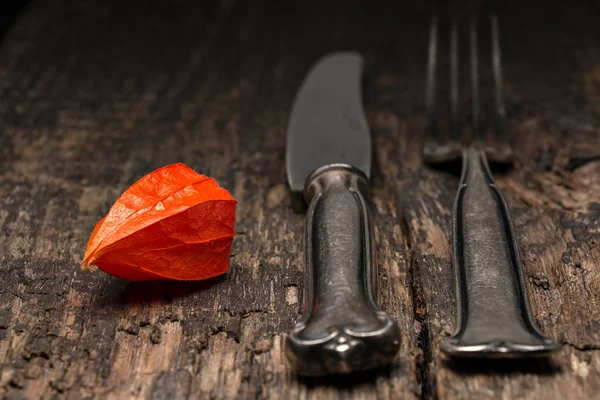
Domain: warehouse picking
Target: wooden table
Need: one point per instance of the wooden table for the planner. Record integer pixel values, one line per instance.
(96, 94)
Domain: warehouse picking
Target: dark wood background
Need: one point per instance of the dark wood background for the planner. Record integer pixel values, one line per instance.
(95, 94)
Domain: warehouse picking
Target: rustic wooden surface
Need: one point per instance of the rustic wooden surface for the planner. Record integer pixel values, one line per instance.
(94, 95)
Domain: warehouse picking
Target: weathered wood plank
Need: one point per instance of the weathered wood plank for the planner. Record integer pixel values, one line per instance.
(94, 95)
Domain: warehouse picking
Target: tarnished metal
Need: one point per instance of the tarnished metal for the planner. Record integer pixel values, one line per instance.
(342, 329)
(493, 316)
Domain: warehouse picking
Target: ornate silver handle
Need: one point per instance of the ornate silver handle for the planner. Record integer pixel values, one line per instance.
(494, 317)
(342, 329)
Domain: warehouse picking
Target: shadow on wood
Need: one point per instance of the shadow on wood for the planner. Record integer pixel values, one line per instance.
(150, 292)
(503, 366)
(350, 380)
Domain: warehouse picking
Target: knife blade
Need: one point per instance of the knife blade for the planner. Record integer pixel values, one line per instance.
(328, 158)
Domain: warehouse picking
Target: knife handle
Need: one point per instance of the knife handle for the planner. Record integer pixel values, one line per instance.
(342, 329)
(494, 317)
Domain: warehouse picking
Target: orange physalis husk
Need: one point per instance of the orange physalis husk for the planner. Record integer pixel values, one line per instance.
(171, 224)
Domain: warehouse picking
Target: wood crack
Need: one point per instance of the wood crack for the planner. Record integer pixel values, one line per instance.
(424, 376)
(244, 313)
(582, 347)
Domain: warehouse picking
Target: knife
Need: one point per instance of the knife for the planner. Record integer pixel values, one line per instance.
(328, 157)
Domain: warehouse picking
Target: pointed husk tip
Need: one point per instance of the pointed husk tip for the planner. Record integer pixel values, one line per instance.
(86, 265)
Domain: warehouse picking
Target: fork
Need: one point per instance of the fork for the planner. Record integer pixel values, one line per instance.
(493, 313)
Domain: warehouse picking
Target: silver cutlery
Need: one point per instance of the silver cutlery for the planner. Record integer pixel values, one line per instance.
(328, 157)
(493, 312)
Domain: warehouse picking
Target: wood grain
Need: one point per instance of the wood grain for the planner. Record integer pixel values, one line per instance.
(96, 94)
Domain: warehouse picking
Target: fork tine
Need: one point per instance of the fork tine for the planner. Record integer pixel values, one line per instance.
(454, 79)
(431, 74)
(500, 112)
(474, 78)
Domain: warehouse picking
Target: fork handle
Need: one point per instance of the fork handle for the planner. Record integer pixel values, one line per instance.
(342, 329)
(494, 317)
